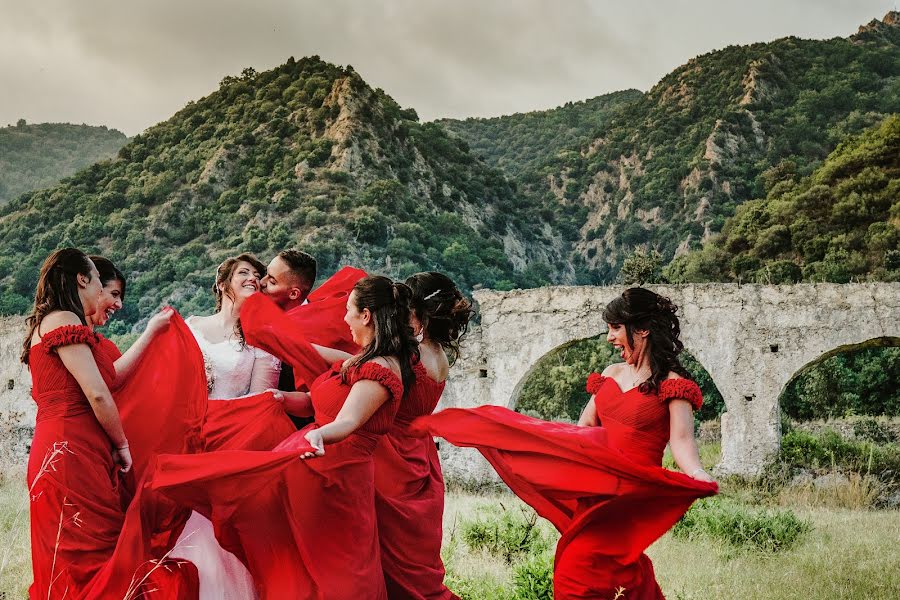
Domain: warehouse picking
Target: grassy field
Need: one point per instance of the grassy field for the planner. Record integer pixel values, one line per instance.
(495, 549)
(847, 554)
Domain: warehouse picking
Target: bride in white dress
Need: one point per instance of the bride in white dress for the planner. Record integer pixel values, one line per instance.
(233, 369)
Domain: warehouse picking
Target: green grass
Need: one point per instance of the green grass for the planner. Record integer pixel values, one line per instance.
(843, 554)
(742, 527)
(15, 548)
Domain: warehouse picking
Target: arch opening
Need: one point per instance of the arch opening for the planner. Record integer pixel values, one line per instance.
(848, 381)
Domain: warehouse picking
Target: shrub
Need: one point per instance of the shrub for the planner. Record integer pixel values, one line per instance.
(509, 535)
(533, 579)
(800, 449)
(742, 527)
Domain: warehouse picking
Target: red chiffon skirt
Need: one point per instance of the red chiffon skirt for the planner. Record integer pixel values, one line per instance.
(305, 529)
(607, 508)
(409, 504)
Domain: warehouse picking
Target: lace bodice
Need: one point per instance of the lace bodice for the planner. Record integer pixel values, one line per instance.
(232, 370)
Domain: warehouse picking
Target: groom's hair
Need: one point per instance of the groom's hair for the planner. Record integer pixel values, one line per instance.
(302, 265)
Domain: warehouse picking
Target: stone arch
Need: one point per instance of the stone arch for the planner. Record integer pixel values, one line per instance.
(877, 342)
(751, 339)
(513, 401)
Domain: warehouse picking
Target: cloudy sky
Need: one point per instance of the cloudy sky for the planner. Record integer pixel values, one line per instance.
(131, 63)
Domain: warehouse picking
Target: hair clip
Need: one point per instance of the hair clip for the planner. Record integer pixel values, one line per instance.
(432, 294)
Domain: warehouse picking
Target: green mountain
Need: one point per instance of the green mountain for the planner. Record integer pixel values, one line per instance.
(38, 156)
(304, 155)
(669, 168)
(842, 222)
(520, 144)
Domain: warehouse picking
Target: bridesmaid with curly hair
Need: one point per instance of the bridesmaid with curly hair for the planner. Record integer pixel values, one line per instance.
(601, 482)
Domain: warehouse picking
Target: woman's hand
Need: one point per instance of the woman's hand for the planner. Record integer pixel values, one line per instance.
(701, 475)
(160, 321)
(122, 457)
(277, 395)
(314, 437)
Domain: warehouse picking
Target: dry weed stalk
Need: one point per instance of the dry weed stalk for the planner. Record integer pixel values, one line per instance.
(134, 588)
(51, 458)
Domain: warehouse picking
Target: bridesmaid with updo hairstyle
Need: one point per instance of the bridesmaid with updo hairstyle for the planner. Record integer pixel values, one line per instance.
(409, 485)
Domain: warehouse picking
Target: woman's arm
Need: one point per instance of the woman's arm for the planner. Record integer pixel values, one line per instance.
(681, 440)
(128, 361)
(297, 404)
(265, 371)
(366, 396)
(79, 361)
(588, 416)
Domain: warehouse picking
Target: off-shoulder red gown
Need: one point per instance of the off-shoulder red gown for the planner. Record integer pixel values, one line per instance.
(409, 500)
(305, 529)
(602, 487)
(78, 498)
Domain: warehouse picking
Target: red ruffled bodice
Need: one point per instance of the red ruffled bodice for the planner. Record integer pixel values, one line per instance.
(329, 392)
(638, 423)
(54, 389)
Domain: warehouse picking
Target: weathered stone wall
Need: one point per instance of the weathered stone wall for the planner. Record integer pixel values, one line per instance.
(17, 410)
(752, 339)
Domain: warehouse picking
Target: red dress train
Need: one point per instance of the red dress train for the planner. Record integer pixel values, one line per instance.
(79, 499)
(409, 500)
(601, 487)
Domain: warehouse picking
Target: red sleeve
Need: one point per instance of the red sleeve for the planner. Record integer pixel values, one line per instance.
(68, 335)
(594, 381)
(681, 389)
(375, 372)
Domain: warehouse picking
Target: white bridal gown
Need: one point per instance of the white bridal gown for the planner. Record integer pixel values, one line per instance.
(231, 371)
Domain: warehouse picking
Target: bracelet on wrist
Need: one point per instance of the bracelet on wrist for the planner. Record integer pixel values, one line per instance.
(122, 446)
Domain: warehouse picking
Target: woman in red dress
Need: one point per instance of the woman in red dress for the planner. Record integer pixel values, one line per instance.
(409, 486)
(307, 529)
(601, 484)
(80, 451)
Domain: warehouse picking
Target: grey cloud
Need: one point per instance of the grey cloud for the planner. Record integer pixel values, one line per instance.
(131, 64)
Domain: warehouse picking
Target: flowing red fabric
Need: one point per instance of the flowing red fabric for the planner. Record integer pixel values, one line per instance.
(305, 529)
(608, 507)
(256, 422)
(321, 319)
(163, 402)
(78, 497)
(269, 328)
(409, 500)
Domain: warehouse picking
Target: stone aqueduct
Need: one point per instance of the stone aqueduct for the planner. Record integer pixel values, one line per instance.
(752, 339)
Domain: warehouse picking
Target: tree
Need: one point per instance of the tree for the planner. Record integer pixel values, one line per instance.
(641, 268)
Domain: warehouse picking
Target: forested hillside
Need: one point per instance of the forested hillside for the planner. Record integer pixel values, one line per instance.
(38, 156)
(306, 155)
(840, 223)
(309, 155)
(668, 169)
(524, 142)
